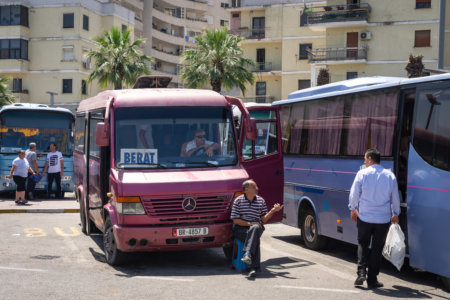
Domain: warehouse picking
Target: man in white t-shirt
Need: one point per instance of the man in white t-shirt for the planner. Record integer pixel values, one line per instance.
(55, 166)
(199, 146)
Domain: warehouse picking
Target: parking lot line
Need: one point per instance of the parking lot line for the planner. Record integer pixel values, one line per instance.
(316, 289)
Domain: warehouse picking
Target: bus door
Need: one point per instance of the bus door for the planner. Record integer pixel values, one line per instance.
(94, 182)
(428, 185)
(263, 159)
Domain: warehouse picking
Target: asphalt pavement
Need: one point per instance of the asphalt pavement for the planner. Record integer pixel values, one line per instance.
(68, 204)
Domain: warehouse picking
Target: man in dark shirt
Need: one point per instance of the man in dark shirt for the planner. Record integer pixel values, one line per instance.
(249, 212)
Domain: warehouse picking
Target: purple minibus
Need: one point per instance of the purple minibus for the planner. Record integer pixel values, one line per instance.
(157, 169)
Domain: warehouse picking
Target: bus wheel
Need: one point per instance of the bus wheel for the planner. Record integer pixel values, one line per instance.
(446, 282)
(310, 233)
(113, 255)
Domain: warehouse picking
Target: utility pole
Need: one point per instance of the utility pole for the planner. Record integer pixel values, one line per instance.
(52, 94)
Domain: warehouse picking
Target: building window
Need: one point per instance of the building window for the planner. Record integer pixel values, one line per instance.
(85, 22)
(13, 49)
(304, 84)
(68, 20)
(235, 15)
(423, 3)
(13, 15)
(422, 38)
(124, 28)
(17, 85)
(224, 23)
(83, 87)
(303, 51)
(352, 75)
(67, 53)
(260, 91)
(224, 5)
(67, 86)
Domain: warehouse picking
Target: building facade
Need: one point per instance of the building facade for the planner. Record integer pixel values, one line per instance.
(290, 41)
(170, 26)
(44, 45)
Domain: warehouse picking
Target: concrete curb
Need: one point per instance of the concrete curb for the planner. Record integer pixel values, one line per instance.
(40, 210)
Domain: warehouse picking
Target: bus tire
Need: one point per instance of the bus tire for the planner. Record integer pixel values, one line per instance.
(113, 255)
(228, 251)
(446, 282)
(310, 233)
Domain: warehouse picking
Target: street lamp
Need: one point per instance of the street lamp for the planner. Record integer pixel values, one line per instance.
(52, 94)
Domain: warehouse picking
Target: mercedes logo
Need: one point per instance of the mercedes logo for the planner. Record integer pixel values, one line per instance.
(189, 204)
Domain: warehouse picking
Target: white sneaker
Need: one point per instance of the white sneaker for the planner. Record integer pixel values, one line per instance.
(247, 259)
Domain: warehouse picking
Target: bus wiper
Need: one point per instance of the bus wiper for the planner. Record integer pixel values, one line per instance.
(208, 163)
(142, 165)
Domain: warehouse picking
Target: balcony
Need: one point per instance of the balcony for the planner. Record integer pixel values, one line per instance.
(171, 57)
(21, 96)
(251, 34)
(338, 55)
(343, 13)
(262, 67)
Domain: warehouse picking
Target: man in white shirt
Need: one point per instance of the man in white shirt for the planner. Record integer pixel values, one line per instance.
(199, 146)
(55, 166)
(374, 203)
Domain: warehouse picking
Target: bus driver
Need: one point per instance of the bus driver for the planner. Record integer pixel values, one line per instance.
(199, 146)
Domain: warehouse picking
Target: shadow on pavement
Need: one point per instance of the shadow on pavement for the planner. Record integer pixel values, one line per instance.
(348, 252)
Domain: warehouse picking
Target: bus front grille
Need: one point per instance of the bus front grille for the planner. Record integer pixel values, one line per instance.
(173, 206)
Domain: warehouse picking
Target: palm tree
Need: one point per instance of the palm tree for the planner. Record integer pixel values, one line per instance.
(415, 66)
(5, 96)
(118, 60)
(216, 59)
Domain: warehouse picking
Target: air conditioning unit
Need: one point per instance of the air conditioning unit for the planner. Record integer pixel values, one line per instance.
(365, 35)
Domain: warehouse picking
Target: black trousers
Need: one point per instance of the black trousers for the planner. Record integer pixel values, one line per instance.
(370, 258)
(57, 178)
(31, 184)
(251, 238)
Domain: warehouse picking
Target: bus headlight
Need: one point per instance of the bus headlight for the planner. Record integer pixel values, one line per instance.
(129, 206)
(66, 178)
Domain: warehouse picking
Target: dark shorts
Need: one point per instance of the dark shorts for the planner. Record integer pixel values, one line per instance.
(20, 182)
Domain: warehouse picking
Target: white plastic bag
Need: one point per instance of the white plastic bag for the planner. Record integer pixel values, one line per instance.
(394, 248)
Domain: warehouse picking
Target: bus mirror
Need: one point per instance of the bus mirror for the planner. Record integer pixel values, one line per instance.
(251, 133)
(102, 135)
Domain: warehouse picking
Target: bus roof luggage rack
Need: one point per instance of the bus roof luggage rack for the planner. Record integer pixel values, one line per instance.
(152, 81)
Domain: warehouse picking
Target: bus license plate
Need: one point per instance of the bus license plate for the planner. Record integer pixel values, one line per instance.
(192, 231)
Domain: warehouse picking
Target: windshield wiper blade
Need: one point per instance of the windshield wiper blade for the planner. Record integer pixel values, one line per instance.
(142, 165)
(208, 163)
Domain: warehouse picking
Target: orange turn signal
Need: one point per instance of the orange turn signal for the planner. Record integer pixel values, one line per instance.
(339, 221)
(128, 199)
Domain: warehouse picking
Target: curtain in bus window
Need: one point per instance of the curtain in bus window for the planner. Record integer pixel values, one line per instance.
(324, 124)
(297, 114)
(371, 123)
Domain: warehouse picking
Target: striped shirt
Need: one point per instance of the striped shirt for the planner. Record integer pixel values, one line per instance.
(248, 211)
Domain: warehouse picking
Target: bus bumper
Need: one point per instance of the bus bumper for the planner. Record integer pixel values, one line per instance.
(149, 238)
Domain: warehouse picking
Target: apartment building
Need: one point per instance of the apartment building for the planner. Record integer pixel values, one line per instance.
(43, 44)
(170, 26)
(290, 41)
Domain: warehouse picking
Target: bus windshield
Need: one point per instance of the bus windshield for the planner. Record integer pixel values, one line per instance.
(174, 137)
(19, 128)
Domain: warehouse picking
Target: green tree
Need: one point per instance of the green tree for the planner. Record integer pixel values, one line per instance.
(414, 67)
(216, 59)
(118, 60)
(5, 96)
